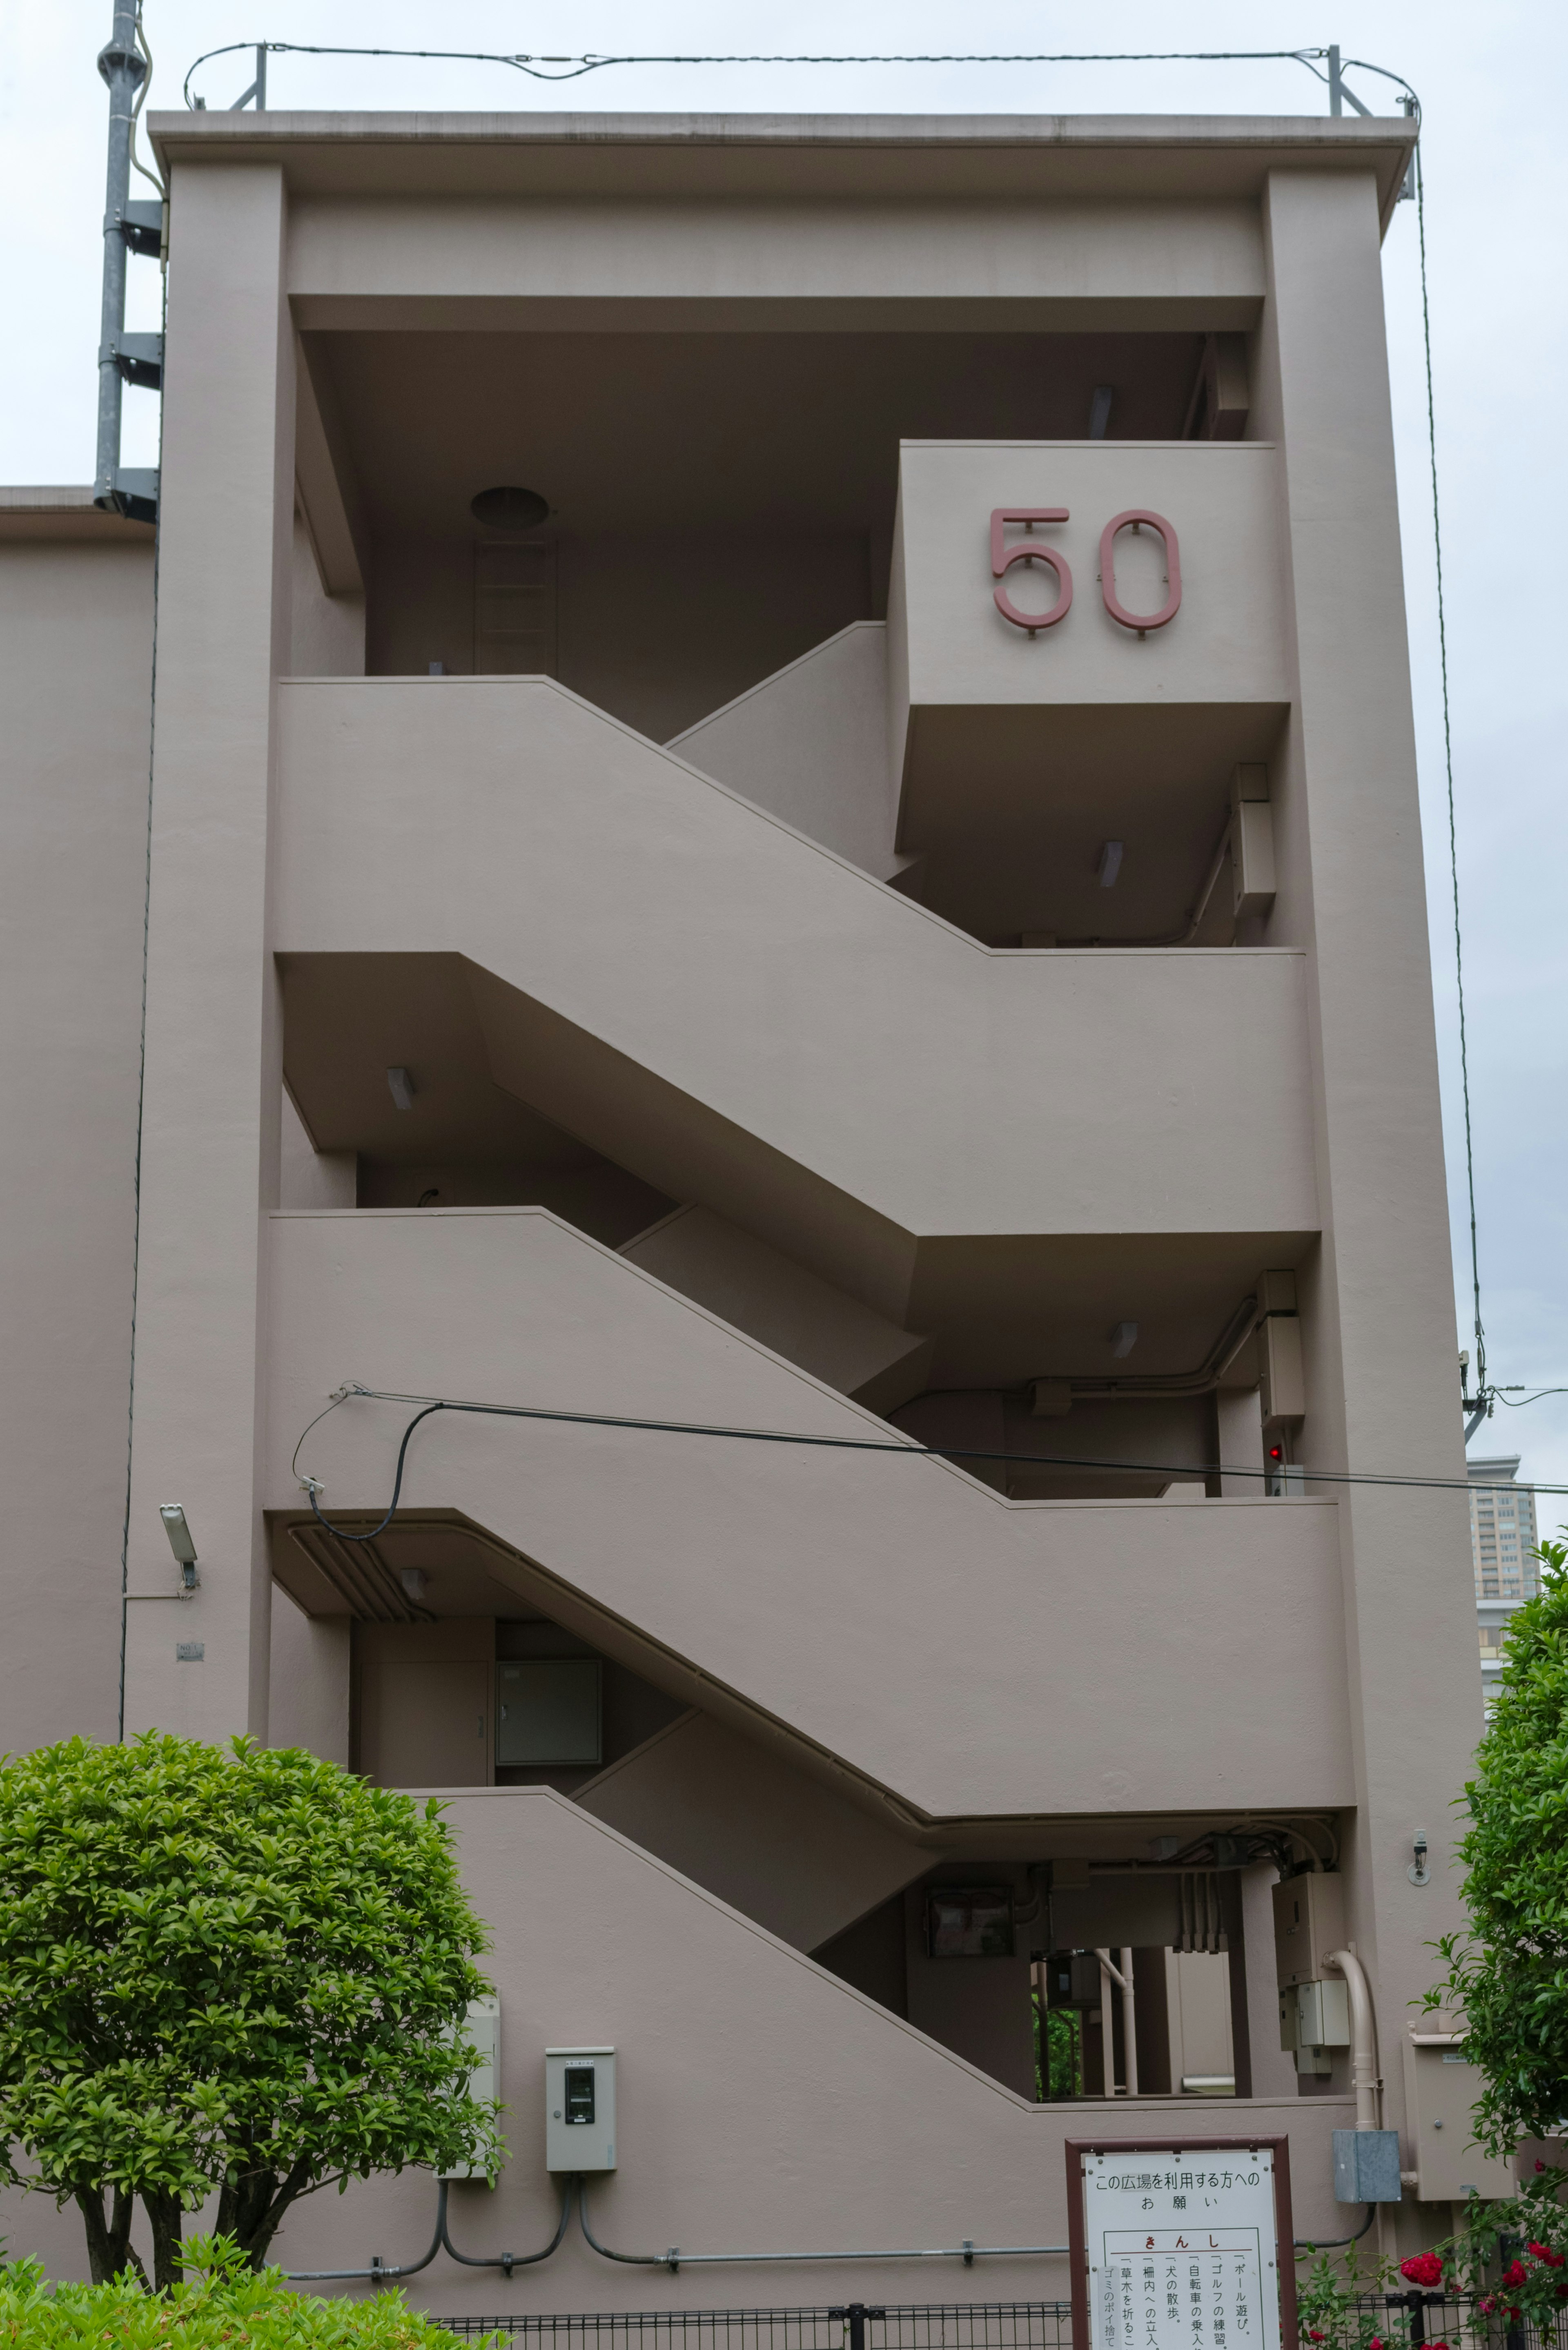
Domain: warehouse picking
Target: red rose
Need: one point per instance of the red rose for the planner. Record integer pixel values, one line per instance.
(1563, 2292)
(1541, 2166)
(1422, 2268)
(1313, 2337)
(1544, 2253)
(1487, 2306)
(1376, 2343)
(1514, 2273)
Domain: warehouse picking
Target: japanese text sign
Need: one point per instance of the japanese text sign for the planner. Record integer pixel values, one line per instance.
(1179, 2246)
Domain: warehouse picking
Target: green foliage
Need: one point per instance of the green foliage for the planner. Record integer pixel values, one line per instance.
(1055, 2049)
(1511, 2257)
(1509, 1977)
(1328, 2297)
(228, 1968)
(221, 2304)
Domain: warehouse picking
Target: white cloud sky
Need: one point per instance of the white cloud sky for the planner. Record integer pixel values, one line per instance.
(1495, 167)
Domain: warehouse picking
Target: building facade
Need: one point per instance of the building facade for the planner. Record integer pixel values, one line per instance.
(1503, 1537)
(781, 802)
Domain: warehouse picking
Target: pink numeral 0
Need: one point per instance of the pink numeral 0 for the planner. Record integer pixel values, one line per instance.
(1003, 557)
(1114, 605)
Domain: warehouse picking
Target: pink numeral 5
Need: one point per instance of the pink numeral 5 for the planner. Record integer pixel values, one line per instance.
(1003, 557)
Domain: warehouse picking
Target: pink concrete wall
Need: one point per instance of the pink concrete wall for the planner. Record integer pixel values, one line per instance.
(712, 951)
(75, 642)
(762, 2104)
(897, 1614)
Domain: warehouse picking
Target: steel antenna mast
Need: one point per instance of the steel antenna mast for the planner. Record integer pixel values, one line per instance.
(128, 227)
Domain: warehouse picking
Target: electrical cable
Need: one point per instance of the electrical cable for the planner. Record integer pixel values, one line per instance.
(571, 2187)
(674, 2258)
(136, 163)
(521, 62)
(1482, 1394)
(126, 1594)
(378, 2272)
(430, 1405)
(1335, 2243)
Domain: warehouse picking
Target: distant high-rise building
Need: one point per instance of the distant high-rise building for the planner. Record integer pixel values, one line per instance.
(1502, 1530)
(1502, 1539)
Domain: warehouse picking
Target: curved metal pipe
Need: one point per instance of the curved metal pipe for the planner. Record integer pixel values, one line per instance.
(1364, 2075)
(510, 2261)
(675, 2258)
(378, 2271)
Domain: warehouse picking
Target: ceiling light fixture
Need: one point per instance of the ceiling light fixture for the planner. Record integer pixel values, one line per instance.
(400, 1085)
(1110, 863)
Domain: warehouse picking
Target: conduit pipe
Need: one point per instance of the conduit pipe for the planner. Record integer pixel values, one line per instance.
(379, 2274)
(1365, 2078)
(675, 2259)
(1122, 1977)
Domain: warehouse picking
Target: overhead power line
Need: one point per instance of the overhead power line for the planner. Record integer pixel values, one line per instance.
(352, 1391)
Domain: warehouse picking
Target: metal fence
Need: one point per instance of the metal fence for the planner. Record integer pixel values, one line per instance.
(1441, 2321)
(854, 2325)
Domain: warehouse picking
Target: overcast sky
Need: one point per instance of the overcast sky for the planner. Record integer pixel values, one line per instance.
(1495, 166)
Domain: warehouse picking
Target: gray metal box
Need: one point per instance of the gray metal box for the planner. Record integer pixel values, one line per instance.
(547, 1710)
(580, 2109)
(483, 2029)
(1367, 2166)
(1309, 1922)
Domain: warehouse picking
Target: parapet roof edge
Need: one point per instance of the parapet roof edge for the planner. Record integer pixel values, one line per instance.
(803, 154)
(46, 510)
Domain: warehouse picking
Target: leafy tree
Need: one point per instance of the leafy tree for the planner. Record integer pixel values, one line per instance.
(228, 1968)
(1509, 1977)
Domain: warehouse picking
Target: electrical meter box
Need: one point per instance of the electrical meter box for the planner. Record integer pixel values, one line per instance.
(1315, 2020)
(1441, 2086)
(483, 2029)
(580, 2109)
(1309, 1922)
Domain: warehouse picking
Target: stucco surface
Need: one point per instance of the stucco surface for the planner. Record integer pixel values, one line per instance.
(764, 1003)
(839, 2126)
(76, 641)
(893, 1612)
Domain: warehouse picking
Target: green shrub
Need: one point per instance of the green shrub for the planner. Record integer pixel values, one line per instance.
(229, 1970)
(1509, 1977)
(224, 2305)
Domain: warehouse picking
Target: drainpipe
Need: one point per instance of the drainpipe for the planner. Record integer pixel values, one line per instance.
(1363, 2037)
(1122, 1977)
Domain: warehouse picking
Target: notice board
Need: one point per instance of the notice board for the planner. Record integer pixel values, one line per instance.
(1182, 2245)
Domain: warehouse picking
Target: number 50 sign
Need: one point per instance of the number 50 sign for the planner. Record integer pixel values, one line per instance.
(1033, 550)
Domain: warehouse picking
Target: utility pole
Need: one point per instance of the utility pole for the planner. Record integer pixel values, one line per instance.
(128, 228)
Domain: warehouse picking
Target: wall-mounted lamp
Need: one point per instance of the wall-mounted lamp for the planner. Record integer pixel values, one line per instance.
(1418, 1873)
(400, 1085)
(179, 1542)
(1124, 1338)
(1110, 863)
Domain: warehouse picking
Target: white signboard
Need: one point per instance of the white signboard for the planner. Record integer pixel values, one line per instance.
(1182, 2250)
